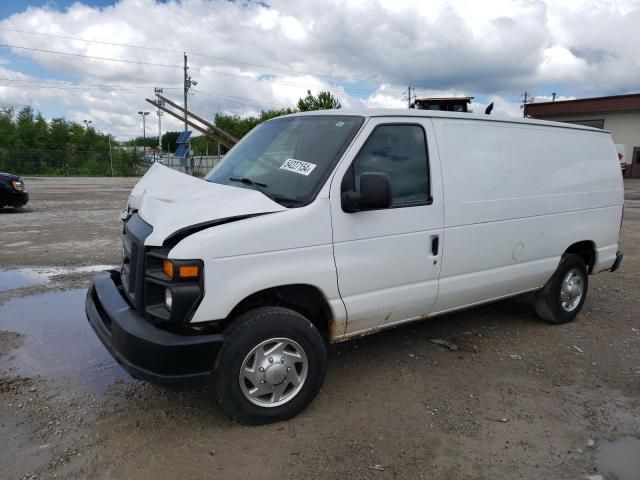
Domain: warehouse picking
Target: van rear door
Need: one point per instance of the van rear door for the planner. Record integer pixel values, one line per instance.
(388, 260)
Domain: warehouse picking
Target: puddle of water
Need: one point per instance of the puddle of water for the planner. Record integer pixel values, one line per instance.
(28, 277)
(21, 278)
(58, 342)
(619, 459)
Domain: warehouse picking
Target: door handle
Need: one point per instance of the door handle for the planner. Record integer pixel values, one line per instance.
(435, 245)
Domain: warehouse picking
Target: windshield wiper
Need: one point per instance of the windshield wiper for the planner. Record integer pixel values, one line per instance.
(248, 181)
(289, 201)
(261, 186)
(276, 198)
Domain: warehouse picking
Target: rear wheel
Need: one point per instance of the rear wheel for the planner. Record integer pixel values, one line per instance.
(561, 299)
(271, 366)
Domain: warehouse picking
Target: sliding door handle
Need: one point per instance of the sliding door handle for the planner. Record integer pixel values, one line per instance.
(435, 245)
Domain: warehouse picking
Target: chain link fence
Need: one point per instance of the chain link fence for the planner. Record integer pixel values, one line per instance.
(119, 162)
(200, 167)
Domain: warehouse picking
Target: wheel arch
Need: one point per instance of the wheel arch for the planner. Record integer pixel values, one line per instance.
(308, 300)
(585, 249)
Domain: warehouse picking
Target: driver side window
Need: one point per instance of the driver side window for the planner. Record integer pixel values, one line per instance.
(400, 151)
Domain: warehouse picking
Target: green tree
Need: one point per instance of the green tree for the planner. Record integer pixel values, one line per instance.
(40, 132)
(203, 145)
(149, 142)
(239, 127)
(29, 145)
(58, 134)
(7, 128)
(323, 101)
(25, 128)
(169, 141)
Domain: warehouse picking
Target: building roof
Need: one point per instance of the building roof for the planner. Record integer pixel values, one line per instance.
(612, 103)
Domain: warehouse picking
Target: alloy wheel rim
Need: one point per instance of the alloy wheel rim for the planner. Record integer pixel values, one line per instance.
(571, 290)
(273, 372)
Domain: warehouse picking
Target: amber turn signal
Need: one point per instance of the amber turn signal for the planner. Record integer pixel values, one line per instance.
(190, 271)
(184, 271)
(167, 268)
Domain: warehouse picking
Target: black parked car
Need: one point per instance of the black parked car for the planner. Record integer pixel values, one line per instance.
(12, 192)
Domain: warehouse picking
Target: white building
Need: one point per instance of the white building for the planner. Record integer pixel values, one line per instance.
(620, 114)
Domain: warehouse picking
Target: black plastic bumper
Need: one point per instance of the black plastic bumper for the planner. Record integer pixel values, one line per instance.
(616, 264)
(17, 199)
(144, 350)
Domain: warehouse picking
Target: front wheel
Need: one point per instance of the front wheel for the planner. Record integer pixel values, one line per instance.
(561, 299)
(271, 366)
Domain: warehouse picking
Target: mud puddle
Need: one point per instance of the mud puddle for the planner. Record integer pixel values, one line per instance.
(619, 459)
(58, 344)
(29, 277)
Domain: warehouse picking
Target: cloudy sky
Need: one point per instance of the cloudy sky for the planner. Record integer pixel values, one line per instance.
(100, 59)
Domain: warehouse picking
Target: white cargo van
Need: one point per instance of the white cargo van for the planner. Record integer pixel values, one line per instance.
(325, 226)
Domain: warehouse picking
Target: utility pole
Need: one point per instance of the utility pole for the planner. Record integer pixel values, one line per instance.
(159, 113)
(526, 98)
(188, 83)
(409, 88)
(186, 91)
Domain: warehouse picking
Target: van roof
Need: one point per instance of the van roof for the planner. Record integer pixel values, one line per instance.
(397, 112)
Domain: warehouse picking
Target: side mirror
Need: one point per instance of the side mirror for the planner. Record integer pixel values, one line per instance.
(375, 193)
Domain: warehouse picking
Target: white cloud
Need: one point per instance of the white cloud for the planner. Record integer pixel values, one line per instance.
(382, 99)
(493, 50)
(560, 64)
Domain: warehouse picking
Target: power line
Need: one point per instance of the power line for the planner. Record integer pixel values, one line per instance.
(231, 98)
(46, 85)
(50, 87)
(202, 70)
(68, 37)
(168, 50)
(245, 98)
(76, 86)
(122, 60)
(283, 82)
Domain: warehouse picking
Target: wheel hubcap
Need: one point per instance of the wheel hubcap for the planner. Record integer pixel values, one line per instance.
(273, 372)
(571, 290)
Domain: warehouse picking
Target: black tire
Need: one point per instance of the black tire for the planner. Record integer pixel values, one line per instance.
(243, 335)
(548, 303)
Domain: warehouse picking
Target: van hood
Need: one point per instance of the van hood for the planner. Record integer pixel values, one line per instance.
(171, 201)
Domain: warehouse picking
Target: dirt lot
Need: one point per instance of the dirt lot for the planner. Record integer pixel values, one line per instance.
(518, 399)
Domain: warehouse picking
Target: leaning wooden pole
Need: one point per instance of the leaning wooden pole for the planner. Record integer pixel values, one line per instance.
(230, 138)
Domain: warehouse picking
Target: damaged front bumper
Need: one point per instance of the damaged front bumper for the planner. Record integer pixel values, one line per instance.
(145, 351)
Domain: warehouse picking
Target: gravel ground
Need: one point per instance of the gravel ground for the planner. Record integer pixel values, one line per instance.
(518, 399)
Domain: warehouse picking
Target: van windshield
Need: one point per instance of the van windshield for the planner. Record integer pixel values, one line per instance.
(288, 159)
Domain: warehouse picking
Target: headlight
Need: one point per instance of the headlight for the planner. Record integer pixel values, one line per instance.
(18, 186)
(168, 298)
(173, 288)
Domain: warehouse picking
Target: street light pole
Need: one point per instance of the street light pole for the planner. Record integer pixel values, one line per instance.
(87, 122)
(144, 130)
